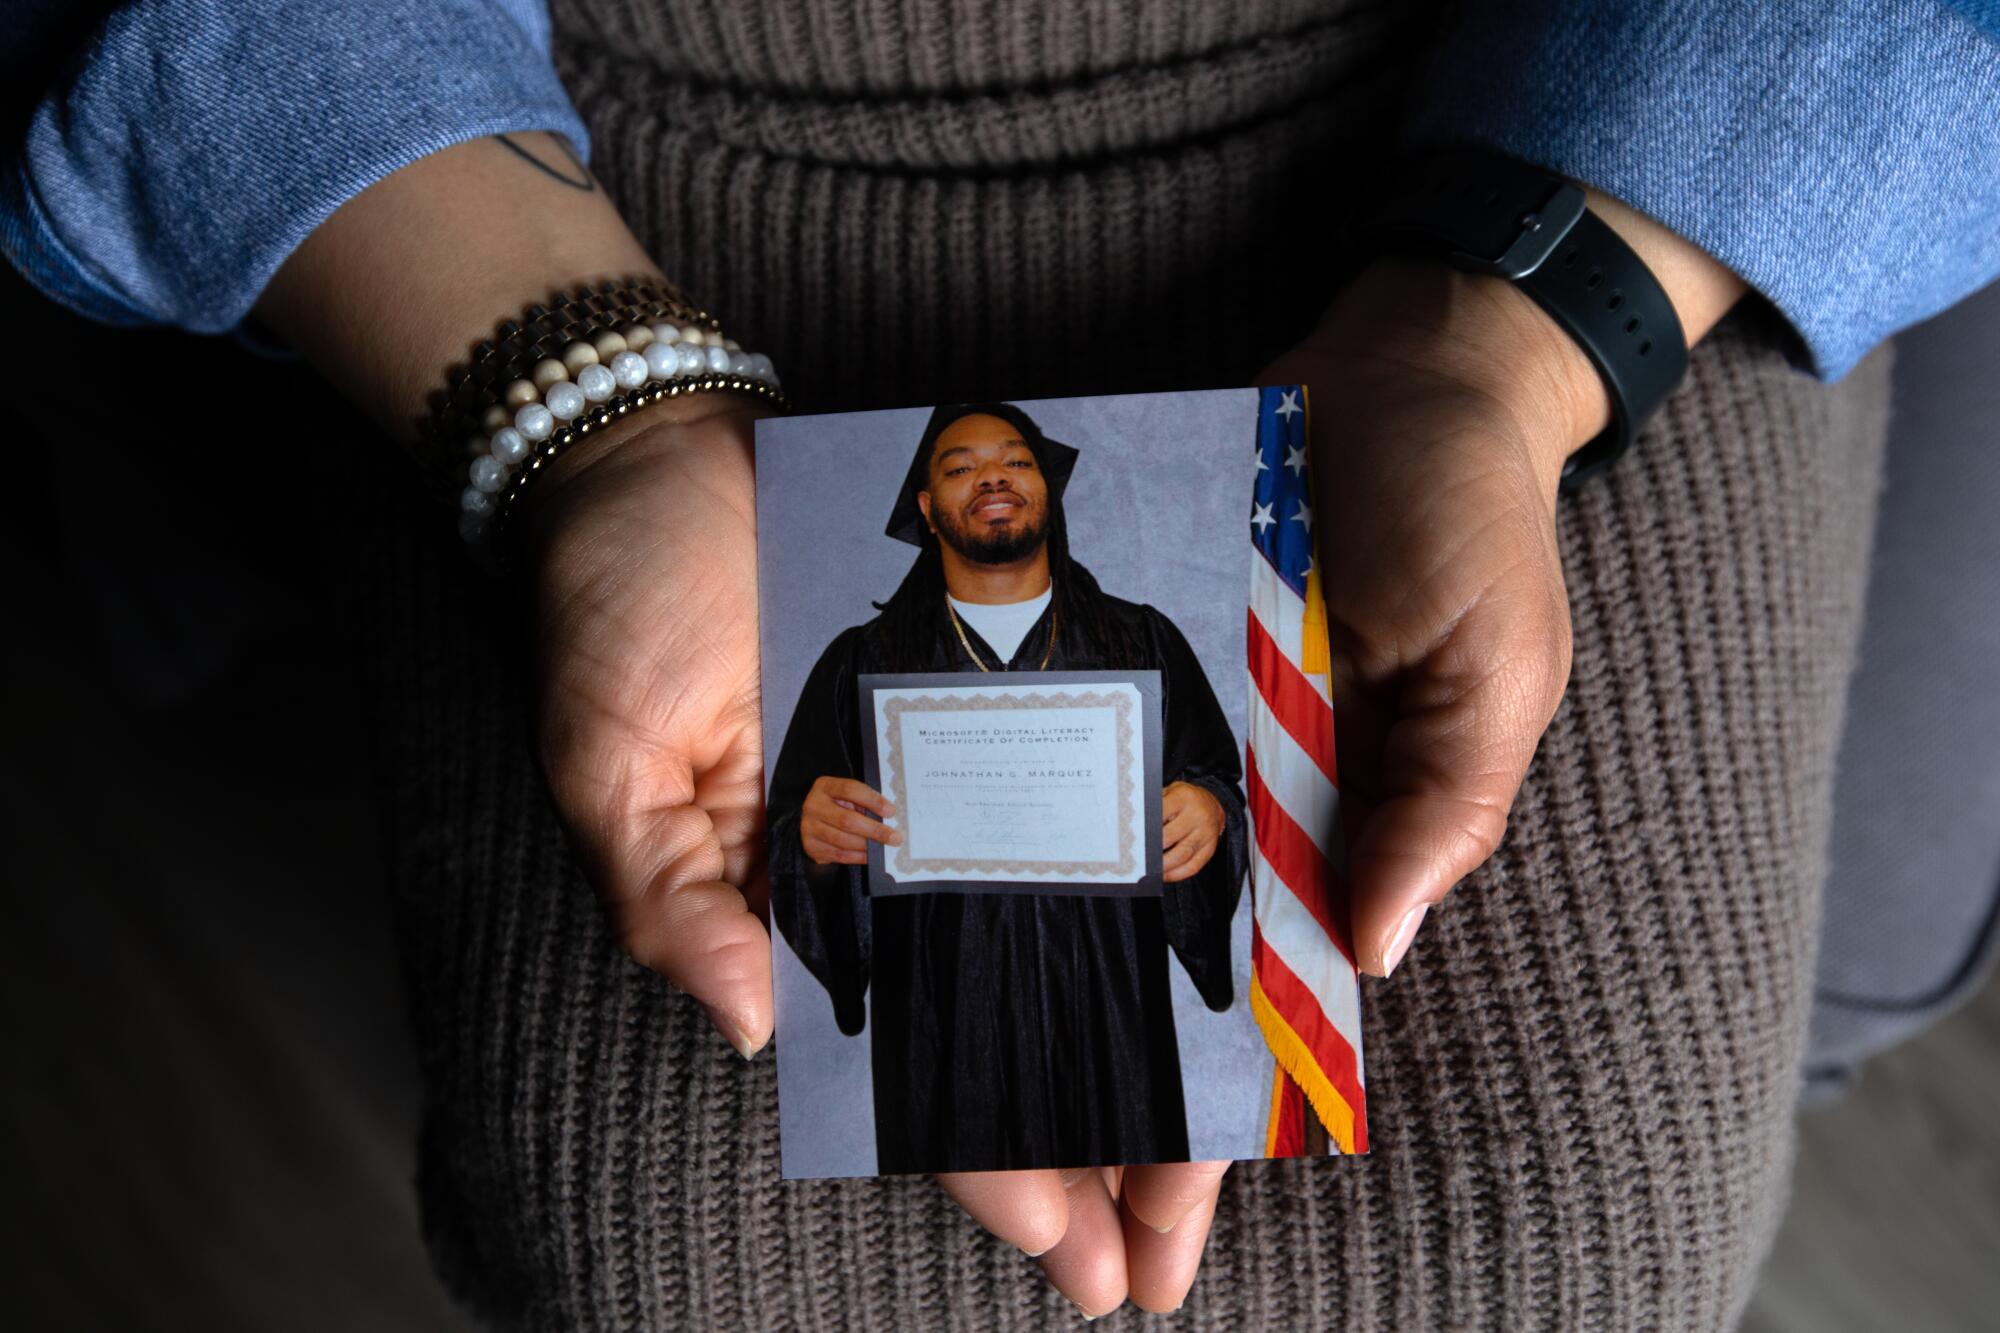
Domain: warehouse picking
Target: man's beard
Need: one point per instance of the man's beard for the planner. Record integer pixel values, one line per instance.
(1015, 541)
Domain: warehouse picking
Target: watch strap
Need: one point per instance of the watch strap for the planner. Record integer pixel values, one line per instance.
(1491, 213)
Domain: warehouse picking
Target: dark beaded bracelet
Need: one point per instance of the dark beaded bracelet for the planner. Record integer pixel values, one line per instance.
(474, 388)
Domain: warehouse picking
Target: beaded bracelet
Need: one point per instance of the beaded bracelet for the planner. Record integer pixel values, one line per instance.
(475, 389)
(545, 372)
(507, 498)
(676, 361)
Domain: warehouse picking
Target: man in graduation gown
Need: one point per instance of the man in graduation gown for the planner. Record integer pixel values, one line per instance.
(1010, 1030)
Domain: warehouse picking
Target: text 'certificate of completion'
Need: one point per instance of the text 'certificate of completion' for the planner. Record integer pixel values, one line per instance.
(1019, 781)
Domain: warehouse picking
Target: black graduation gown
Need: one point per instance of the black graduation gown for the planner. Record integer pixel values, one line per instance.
(1012, 1031)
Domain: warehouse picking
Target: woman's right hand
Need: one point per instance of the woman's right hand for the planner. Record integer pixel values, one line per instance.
(640, 548)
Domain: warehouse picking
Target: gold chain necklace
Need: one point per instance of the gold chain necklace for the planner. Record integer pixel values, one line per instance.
(966, 643)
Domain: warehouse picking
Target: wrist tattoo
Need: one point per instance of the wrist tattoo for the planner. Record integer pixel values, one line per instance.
(570, 172)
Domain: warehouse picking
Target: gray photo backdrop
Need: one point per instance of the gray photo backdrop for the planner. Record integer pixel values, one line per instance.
(1157, 509)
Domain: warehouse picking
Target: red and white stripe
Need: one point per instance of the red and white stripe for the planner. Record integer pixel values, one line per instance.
(1303, 958)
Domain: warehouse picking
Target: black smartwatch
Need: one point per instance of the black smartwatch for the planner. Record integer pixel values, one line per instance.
(1490, 213)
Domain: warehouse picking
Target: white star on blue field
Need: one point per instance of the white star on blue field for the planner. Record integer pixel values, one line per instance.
(1281, 505)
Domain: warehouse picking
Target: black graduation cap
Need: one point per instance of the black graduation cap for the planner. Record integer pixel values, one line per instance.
(1056, 460)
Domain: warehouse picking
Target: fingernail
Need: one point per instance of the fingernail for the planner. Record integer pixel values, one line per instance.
(1405, 932)
(732, 1033)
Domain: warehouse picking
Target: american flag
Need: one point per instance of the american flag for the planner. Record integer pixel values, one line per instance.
(1304, 990)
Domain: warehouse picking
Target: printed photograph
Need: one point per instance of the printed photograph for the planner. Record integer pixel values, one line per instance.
(1053, 813)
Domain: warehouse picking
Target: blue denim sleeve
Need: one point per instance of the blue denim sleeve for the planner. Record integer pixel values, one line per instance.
(190, 146)
(1841, 156)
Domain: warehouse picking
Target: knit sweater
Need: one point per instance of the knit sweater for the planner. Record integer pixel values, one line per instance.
(159, 174)
(1580, 1082)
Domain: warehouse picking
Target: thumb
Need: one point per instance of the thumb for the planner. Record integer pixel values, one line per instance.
(1463, 726)
(675, 914)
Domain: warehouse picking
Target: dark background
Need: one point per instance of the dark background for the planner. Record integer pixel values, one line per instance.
(211, 1100)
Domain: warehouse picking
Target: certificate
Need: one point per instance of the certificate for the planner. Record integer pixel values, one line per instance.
(1035, 782)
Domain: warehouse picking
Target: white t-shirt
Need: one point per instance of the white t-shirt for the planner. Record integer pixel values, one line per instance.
(1002, 624)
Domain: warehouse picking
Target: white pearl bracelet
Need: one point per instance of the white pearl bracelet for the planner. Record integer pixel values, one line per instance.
(560, 391)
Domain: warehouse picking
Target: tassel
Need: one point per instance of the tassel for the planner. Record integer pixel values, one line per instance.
(1315, 657)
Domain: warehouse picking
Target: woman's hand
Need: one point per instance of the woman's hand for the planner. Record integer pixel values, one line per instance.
(642, 551)
(1443, 407)
(1103, 1234)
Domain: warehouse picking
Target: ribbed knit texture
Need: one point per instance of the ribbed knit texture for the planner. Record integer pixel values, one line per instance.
(1581, 1082)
